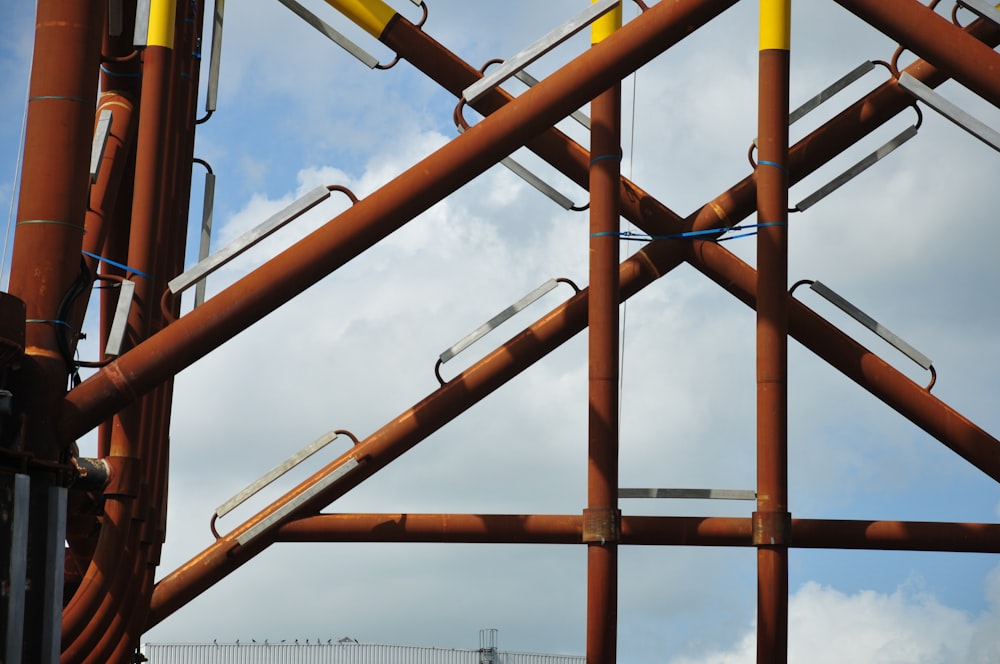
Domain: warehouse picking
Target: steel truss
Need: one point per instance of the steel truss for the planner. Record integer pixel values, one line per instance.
(133, 209)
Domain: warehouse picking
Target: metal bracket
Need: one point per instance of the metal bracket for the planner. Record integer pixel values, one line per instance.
(340, 40)
(972, 125)
(858, 168)
(982, 9)
(101, 133)
(215, 60)
(116, 335)
(212, 263)
(276, 472)
(522, 172)
(207, 209)
(883, 332)
(495, 322)
(538, 49)
(288, 508)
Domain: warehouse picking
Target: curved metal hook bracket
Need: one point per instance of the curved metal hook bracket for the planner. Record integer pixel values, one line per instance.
(275, 473)
(880, 330)
(496, 321)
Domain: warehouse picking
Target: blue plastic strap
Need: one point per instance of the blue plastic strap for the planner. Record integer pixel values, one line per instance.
(116, 264)
(764, 162)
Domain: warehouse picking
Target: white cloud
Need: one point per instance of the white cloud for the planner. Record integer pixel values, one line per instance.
(908, 626)
(911, 241)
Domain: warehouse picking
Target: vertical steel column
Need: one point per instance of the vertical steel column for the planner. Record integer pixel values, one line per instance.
(771, 521)
(601, 518)
(45, 266)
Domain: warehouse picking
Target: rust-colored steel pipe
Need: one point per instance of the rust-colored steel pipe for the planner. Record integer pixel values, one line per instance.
(491, 372)
(453, 74)
(771, 520)
(858, 363)
(381, 213)
(935, 39)
(641, 531)
(601, 517)
(392, 440)
(52, 204)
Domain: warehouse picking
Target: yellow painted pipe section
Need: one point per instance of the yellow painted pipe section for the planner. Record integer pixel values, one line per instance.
(372, 15)
(603, 27)
(775, 24)
(162, 14)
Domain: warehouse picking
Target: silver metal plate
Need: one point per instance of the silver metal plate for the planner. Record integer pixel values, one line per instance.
(538, 49)
(101, 133)
(871, 324)
(276, 472)
(205, 267)
(288, 508)
(331, 34)
(116, 334)
(497, 320)
(949, 110)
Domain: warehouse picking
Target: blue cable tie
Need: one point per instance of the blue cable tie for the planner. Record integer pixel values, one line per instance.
(628, 235)
(764, 162)
(116, 264)
(121, 75)
(605, 156)
(46, 320)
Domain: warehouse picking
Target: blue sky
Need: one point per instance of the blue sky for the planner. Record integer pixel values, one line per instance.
(911, 242)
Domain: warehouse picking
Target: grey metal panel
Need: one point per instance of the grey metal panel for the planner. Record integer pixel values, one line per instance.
(538, 49)
(334, 36)
(949, 110)
(206, 267)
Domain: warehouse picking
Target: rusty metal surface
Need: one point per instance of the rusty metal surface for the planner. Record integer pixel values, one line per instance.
(137, 215)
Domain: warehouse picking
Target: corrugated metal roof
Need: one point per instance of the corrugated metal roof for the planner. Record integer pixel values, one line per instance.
(332, 653)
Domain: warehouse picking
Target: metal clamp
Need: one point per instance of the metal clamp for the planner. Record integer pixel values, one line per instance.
(210, 264)
(496, 321)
